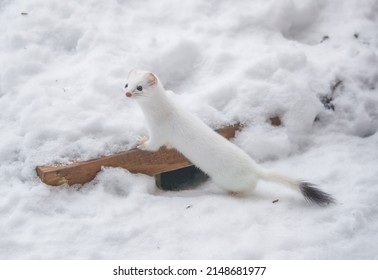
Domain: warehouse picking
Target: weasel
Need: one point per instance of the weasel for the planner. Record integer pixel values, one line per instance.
(227, 165)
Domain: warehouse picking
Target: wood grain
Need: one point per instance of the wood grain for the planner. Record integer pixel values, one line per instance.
(134, 160)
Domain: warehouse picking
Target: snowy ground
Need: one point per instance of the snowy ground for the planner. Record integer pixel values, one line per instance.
(63, 68)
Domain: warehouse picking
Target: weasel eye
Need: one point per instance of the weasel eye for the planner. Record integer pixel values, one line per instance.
(140, 88)
(126, 85)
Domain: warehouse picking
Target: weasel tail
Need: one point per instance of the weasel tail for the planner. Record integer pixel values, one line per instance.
(172, 125)
(308, 190)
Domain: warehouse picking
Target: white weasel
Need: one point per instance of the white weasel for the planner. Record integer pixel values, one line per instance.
(227, 165)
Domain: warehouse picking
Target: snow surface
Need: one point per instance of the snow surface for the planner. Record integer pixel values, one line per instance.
(63, 68)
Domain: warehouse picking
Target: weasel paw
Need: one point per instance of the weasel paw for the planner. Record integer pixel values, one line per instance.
(145, 144)
(141, 142)
(142, 147)
(235, 194)
(141, 139)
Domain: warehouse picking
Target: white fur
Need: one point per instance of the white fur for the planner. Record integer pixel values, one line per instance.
(172, 125)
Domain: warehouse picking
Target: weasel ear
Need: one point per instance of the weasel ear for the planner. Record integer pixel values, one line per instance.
(151, 79)
(132, 71)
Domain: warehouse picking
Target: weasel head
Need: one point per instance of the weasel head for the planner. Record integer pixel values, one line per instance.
(142, 85)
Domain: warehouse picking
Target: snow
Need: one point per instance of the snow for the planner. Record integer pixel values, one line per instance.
(63, 68)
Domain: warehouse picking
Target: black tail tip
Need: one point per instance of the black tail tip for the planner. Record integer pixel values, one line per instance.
(315, 195)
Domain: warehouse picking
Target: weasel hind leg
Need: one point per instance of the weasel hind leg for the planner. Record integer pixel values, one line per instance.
(235, 193)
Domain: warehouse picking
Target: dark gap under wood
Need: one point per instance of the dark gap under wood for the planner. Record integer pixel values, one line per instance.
(180, 179)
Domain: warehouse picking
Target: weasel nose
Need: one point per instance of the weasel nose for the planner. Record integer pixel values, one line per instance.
(129, 94)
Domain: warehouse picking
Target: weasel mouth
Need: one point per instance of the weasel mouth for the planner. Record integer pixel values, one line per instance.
(129, 94)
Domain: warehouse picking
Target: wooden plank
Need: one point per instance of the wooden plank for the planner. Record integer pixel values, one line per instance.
(134, 160)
